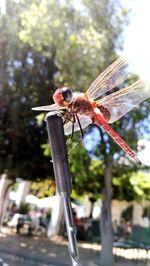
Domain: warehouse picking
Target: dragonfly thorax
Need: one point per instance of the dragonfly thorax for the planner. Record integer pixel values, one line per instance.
(82, 105)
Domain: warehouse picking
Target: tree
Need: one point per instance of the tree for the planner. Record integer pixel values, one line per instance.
(21, 154)
(20, 137)
(57, 44)
(140, 182)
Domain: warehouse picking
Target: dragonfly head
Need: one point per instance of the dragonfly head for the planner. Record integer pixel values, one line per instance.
(63, 96)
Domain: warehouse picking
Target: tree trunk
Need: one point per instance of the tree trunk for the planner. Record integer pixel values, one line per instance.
(107, 258)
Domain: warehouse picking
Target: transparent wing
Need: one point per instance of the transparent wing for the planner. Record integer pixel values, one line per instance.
(47, 108)
(84, 121)
(114, 75)
(122, 101)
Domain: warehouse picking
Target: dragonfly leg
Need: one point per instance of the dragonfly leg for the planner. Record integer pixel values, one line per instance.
(72, 131)
(79, 140)
(81, 136)
(81, 130)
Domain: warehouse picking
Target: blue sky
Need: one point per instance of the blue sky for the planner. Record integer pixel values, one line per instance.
(137, 52)
(3, 6)
(137, 38)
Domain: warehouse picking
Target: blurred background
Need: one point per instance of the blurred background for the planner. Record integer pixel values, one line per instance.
(45, 44)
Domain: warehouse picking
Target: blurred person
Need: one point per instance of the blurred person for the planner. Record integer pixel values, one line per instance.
(115, 229)
(14, 209)
(76, 220)
(122, 229)
(35, 219)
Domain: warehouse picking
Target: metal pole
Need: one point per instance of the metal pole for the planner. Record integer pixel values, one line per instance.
(61, 169)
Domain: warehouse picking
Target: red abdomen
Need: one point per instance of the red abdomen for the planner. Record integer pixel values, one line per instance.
(99, 120)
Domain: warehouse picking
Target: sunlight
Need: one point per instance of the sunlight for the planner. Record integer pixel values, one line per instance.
(144, 154)
(23, 244)
(2, 234)
(3, 7)
(131, 254)
(51, 254)
(137, 39)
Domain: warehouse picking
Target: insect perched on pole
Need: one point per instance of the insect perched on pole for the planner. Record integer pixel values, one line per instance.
(94, 106)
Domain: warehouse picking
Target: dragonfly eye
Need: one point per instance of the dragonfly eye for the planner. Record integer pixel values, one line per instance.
(67, 94)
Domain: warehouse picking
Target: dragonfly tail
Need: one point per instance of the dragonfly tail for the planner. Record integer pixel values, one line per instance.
(99, 120)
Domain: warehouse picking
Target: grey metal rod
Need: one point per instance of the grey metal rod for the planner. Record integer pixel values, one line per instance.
(59, 152)
(71, 232)
(62, 176)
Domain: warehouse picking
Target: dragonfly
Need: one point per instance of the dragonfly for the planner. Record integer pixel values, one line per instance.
(97, 106)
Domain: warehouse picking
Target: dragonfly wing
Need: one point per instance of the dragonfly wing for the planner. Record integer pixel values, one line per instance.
(84, 121)
(47, 108)
(114, 75)
(119, 103)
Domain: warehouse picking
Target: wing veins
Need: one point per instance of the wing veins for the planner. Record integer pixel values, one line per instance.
(124, 100)
(114, 75)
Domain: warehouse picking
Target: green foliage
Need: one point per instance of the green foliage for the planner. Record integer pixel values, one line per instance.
(146, 212)
(44, 188)
(140, 182)
(127, 213)
(24, 208)
(69, 33)
(46, 149)
(66, 46)
(83, 39)
(131, 185)
(122, 188)
(23, 71)
(87, 174)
